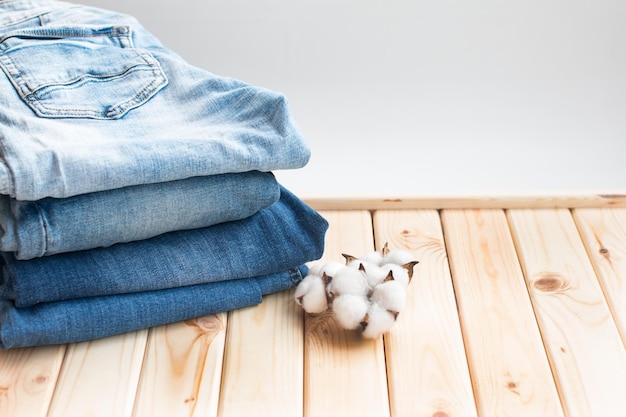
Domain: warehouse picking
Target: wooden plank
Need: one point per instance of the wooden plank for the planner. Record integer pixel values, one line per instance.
(99, 377)
(578, 330)
(27, 380)
(426, 363)
(509, 367)
(263, 368)
(344, 373)
(604, 234)
(611, 198)
(182, 369)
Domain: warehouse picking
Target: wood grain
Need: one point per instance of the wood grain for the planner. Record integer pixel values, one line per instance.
(509, 368)
(610, 198)
(604, 235)
(578, 330)
(263, 368)
(27, 380)
(344, 373)
(99, 378)
(538, 294)
(182, 370)
(428, 376)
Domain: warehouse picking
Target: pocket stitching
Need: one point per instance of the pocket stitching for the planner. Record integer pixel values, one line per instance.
(32, 95)
(159, 80)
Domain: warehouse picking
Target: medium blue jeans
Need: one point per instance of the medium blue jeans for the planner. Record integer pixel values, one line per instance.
(91, 101)
(55, 225)
(90, 318)
(286, 234)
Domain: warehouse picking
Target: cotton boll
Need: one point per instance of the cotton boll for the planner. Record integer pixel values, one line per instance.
(331, 268)
(390, 295)
(350, 310)
(315, 270)
(399, 273)
(377, 321)
(303, 286)
(357, 263)
(311, 294)
(398, 257)
(363, 265)
(402, 258)
(372, 257)
(348, 281)
(374, 275)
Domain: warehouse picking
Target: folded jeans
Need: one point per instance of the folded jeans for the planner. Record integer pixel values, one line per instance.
(90, 318)
(91, 101)
(45, 227)
(286, 234)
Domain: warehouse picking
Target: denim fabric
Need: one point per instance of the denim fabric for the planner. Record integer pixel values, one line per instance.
(37, 228)
(90, 318)
(286, 234)
(91, 101)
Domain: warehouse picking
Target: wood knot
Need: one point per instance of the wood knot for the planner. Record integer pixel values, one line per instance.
(41, 379)
(207, 324)
(550, 282)
(513, 387)
(440, 414)
(604, 252)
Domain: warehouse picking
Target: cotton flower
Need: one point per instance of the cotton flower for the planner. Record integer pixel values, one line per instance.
(402, 258)
(303, 287)
(372, 257)
(390, 295)
(377, 321)
(398, 257)
(367, 291)
(350, 310)
(330, 268)
(311, 294)
(374, 275)
(348, 281)
(399, 273)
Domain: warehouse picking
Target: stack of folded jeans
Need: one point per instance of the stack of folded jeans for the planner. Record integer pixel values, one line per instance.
(135, 189)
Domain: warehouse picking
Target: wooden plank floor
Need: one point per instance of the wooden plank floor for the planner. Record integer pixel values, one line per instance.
(517, 312)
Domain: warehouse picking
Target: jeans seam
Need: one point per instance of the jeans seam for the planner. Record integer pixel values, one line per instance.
(44, 230)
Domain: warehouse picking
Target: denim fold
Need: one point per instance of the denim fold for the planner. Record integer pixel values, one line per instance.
(49, 226)
(285, 234)
(135, 189)
(92, 101)
(85, 319)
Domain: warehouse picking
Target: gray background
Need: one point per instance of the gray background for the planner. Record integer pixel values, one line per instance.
(421, 98)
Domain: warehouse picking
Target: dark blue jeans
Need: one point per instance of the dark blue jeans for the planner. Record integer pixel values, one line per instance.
(90, 318)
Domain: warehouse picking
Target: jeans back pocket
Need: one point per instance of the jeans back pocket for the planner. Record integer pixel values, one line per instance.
(80, 71)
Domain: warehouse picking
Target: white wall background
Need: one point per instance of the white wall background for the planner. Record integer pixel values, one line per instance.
(430, 97)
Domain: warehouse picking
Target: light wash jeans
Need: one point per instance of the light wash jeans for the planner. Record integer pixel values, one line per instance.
(90, 318)
(91, 101)
(282, 236)
(49, 226)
